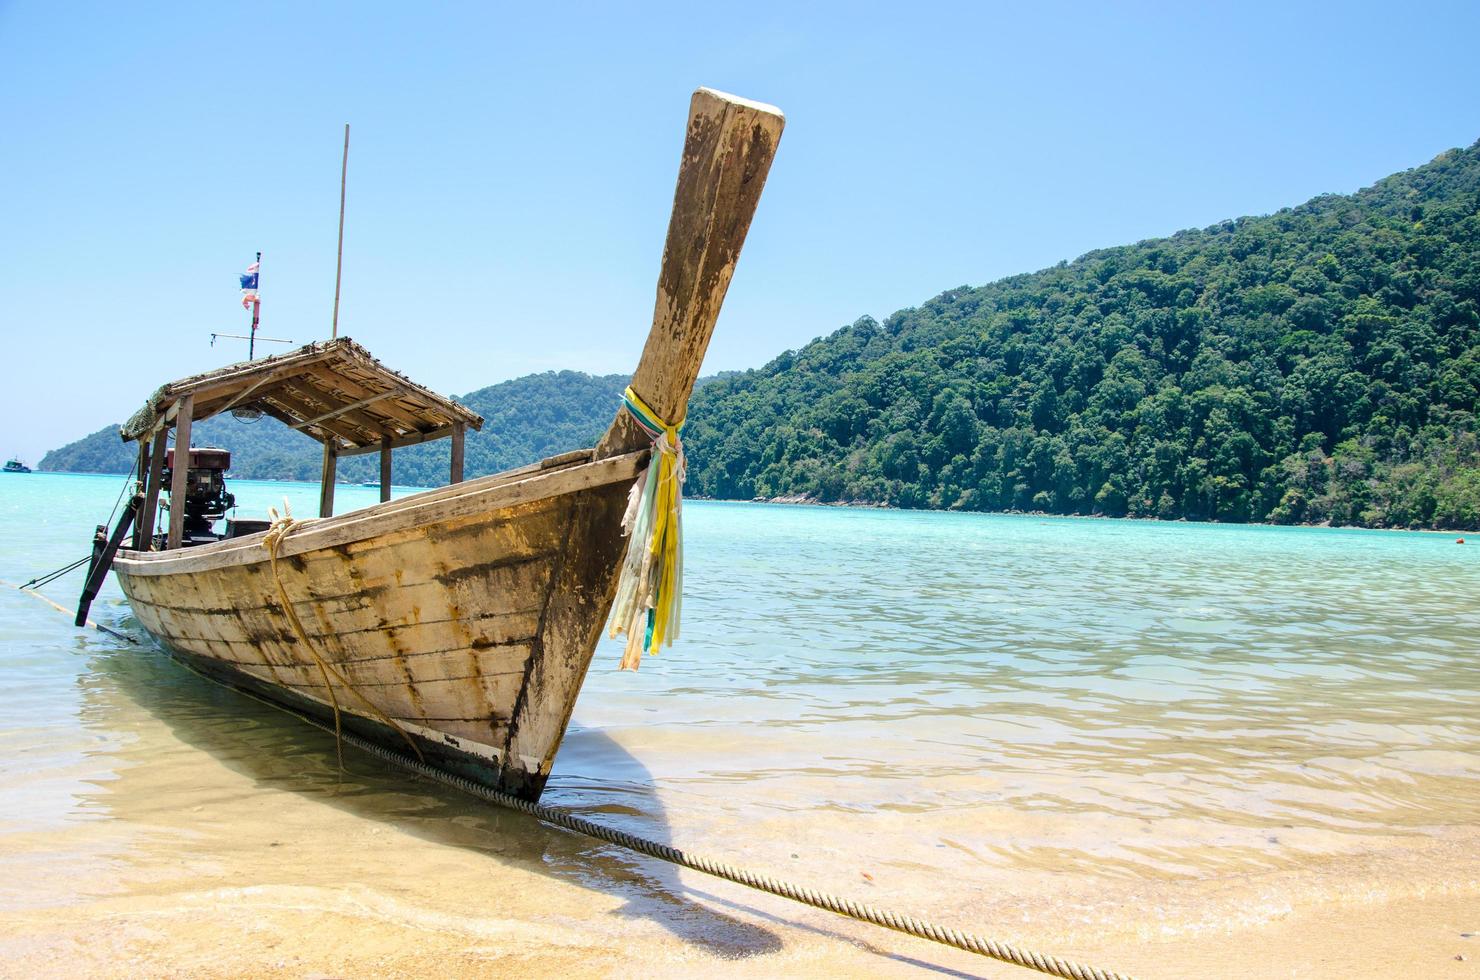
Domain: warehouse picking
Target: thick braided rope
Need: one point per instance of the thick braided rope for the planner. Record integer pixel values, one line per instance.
(920, 928)
(1005, 952)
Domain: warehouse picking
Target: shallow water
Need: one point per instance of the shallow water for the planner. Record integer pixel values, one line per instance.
(1093, 733)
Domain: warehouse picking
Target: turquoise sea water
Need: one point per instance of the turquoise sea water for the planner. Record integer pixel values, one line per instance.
(970, 696)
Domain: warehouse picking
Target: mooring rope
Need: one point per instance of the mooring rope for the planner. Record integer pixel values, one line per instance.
(283, 525)
(63, 610)
(919, 928)
(128, 479)
(41, 580)
(49, 577)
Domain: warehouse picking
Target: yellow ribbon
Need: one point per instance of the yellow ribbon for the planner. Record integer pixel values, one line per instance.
(650, 588)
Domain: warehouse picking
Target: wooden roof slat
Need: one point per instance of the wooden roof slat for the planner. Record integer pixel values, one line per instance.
(409, 419)
(284, 417)
(366, 419)
(304, 356)
(303, 404)
(334, 387)
(342, 410)
(411, 439)
(208, 408)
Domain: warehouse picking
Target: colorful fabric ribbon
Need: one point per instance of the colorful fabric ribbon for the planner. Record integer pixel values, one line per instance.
(650, 588)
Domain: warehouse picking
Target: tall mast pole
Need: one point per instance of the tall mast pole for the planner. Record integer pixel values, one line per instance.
(256, 311)
(339, 261)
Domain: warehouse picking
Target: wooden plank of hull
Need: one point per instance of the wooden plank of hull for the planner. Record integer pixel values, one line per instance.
(443, 748)
(469, 499)
(583, 589)
(473, 620)
(506, 581)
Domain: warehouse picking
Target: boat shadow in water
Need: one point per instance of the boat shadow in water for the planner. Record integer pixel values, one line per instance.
(279, 751)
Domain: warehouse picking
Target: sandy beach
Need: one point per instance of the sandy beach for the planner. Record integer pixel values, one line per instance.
(1248, 752)
(213, 858)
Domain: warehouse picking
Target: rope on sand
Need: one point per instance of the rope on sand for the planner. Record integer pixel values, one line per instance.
(919, 928)
(908, 924)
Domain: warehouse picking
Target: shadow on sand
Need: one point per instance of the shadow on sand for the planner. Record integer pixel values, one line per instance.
(596, 777)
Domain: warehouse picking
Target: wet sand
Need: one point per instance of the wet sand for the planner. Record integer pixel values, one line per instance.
(304, 888)
(197, 846)
(1167, 750)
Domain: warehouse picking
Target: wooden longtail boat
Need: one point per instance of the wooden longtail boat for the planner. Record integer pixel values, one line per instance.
(463, 618)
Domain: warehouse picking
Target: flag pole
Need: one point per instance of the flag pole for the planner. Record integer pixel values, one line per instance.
(339, 260)
(256, 311)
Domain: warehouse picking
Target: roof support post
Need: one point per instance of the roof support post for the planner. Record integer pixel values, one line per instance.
(385, 468)
(326, 488)
(138, 537)
(180, 473)
(151, 488)
(459, 429)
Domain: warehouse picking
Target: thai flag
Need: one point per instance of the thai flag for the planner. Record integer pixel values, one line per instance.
(249, 285)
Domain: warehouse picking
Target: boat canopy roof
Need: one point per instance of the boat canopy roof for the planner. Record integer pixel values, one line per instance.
(333, 391)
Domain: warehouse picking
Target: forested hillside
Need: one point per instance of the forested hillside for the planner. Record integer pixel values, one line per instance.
(1318, 364)
(524, 420)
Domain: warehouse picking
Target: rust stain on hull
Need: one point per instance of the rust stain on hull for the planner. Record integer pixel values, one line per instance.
(440, 627)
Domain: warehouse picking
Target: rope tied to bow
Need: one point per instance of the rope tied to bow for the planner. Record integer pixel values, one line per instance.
(650, 586)
(282, 525)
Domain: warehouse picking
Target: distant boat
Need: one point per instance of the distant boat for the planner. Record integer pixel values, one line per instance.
(460, 620)
(16, 466)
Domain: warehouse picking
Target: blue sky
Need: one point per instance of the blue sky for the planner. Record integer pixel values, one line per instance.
(512, 166)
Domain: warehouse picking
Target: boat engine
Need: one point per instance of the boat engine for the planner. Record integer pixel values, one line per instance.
(206, 499)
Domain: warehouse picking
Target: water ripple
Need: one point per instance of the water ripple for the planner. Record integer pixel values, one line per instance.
(1216, 680)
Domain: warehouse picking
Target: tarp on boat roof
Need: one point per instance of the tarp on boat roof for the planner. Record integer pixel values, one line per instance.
(331, 390)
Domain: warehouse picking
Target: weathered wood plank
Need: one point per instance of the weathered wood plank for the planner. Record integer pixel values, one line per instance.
(180, 474)
(136, 541)
(400, 442)
(225, 398)
(334, 381)
(486, 495)
(473, 611)
(286, 364)
(326, 480)
(385, 468)
(503, 619)
(297, 400)
(580, 599)
(151, 489)
(349, 594)
(465, 697)
(341, 410)
(458, 430)
(726, 157)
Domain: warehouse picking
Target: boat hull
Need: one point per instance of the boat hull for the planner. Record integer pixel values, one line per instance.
(467, 616)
